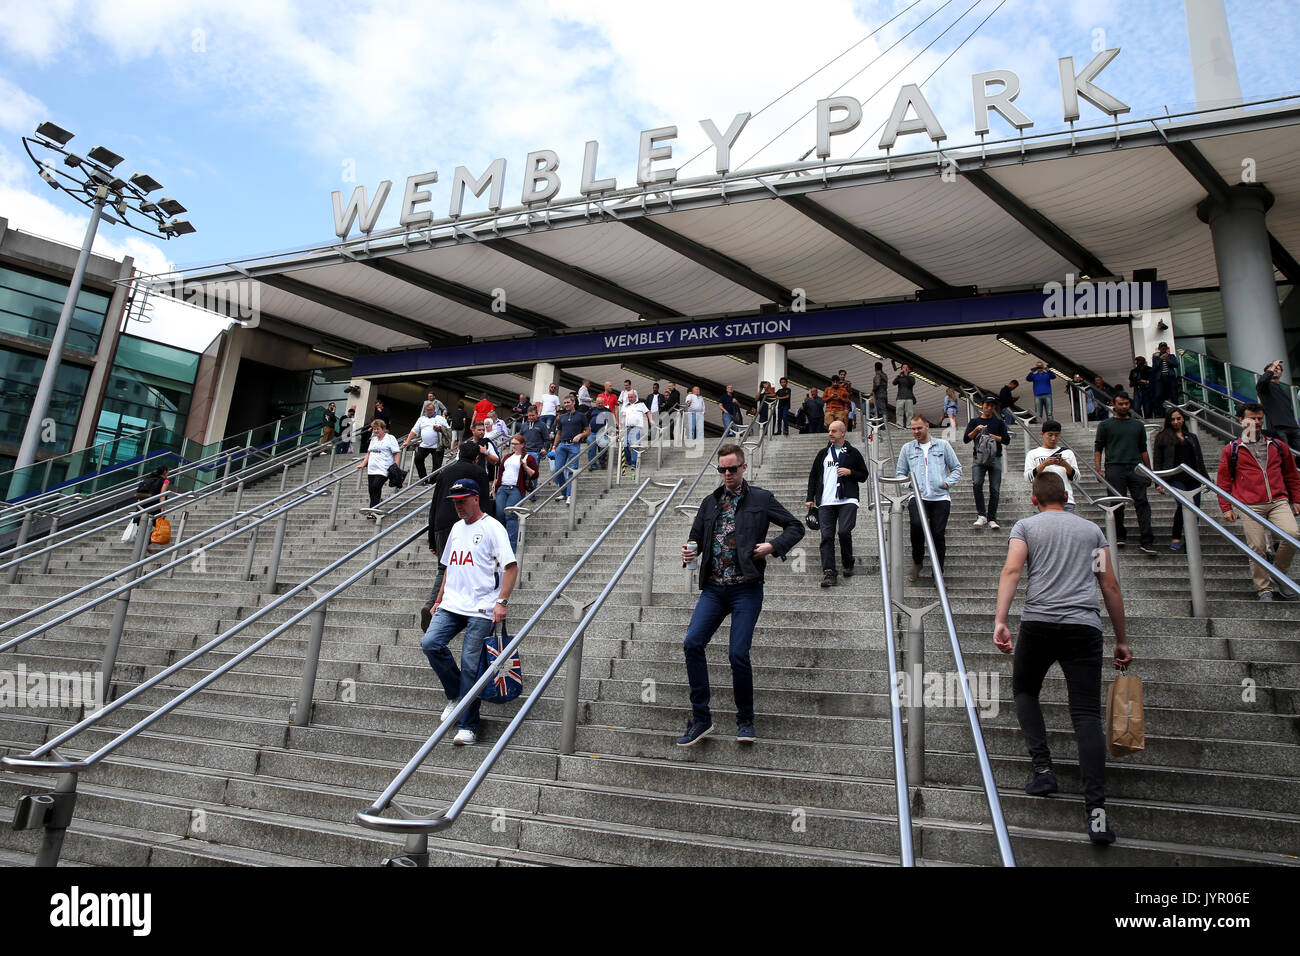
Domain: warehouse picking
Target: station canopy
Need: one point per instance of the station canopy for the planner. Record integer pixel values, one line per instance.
(1009, 215)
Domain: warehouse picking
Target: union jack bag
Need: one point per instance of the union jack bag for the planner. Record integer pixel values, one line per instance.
(508, 682)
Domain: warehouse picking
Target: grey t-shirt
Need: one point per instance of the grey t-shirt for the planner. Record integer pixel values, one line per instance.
(1061, 587)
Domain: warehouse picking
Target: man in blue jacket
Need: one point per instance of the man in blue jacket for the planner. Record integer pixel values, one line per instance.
(937, 470)
(1041, 378)
(728, 535)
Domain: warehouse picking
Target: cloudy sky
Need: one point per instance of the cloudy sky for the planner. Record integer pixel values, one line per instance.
(252, 113)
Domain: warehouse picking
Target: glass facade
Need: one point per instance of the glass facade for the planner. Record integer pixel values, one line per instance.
(20, 374)
(30, 306)
(1199, 323)
(150, 384)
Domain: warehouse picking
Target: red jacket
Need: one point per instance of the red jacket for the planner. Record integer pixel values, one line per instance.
(483, 409)
(1283, 479)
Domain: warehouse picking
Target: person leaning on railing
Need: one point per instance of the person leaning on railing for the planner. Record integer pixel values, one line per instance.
(1261, 472)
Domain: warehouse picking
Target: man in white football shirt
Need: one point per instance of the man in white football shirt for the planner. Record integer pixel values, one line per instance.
(1051, 458)
(430, 429)
(481, 573)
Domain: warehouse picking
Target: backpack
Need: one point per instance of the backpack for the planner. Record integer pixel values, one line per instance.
(986, 449)
(150, 485)
(1236, 448)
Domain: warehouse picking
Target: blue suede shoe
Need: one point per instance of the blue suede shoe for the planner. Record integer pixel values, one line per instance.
(695, 731)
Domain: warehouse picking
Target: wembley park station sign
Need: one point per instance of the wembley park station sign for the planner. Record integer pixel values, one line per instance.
(991, 91)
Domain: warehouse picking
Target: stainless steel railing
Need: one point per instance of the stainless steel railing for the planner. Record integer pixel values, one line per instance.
(907, 856)
(417, 828)
(53, 812)
(738, 437)
(1192, 539)
(906, 488)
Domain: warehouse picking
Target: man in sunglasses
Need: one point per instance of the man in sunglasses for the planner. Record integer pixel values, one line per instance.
(728, 537)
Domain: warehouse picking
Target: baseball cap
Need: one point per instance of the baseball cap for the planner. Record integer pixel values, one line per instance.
(464, 488)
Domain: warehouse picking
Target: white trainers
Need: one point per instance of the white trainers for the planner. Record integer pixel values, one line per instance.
(448, 710)
(465, 738)
(994, 525)
(981, 521)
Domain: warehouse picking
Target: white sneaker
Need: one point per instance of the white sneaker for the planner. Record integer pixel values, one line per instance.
(994, 525)
(981, 521)
(465, 738)
(448, 710)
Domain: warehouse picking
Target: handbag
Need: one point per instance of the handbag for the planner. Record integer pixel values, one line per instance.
(130, 531)
(162, 531)
(1125, 724)
(508, 682)
(396, 475)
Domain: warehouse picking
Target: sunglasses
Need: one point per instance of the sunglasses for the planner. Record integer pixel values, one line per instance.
(729, 469)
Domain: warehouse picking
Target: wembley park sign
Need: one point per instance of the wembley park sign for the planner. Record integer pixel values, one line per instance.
(991, 91)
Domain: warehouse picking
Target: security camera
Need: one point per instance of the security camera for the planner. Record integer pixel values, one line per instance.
(49, 176)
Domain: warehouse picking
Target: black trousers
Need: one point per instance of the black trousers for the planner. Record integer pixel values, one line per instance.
(421, 453)
(1126, 481)
(937, 512)
(1077, 648)
(376, 485)
(1288, 436)
(837, 520)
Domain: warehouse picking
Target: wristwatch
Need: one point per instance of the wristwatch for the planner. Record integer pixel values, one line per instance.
(503, 602)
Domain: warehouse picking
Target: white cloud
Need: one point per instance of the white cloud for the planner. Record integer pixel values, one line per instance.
(20, 112)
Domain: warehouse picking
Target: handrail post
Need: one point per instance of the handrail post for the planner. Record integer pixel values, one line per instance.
(23, 531)
(225, 472)
(239, 497)
(374, 554)
(144, 455)
(302, 426)
(123, 602)
(572, 680)
(284, 476)
(273, 572)
(914, 652)
(59, 816)
(306, 467)
(1195, 568)
(572, 494)
(45, 561)
(648, 576)
(302, 708)
(334, 502)
(613, 451)
(896, 547)
(248, 560)
(1112, 535)
(177, 539)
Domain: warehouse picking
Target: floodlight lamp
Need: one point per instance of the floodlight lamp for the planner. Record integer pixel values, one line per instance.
(117, 185)
(145, 182)
(170, 206)
(120, 206)
(50, 131)
(73, 160)
(49, 176)
(105, 156)
(148, 208)
(177, 227)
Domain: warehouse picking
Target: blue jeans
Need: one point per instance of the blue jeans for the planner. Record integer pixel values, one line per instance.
(566, 452)
(782, 419)
(743, 602)
(1043, 407)
(507, 497)
(548, 421)
(726, 422)
(594, 449)
(696, 423)
(457, 681)
(994, 472)
(1008, 418)
(633, 436)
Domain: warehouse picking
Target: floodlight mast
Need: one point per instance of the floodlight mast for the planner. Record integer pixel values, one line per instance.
(91, 182)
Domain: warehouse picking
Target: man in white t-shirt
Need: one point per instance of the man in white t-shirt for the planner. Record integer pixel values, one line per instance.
(550, 403)
(1051, 458)
(481, 571)
(383, 453)
(695, 414)
(634, 415)
(430, 429)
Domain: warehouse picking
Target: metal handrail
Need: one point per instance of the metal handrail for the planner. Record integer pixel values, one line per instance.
(89, 449)
(170, 500)
(140, 563)
(1186, 500)
(735, 437)
(419, 827)
(907, 855)
(32, 761)
(981, 751)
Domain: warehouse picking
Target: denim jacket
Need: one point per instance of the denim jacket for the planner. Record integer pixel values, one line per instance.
(944, 466)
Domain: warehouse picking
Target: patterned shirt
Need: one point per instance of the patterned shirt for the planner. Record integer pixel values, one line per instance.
(726, 569)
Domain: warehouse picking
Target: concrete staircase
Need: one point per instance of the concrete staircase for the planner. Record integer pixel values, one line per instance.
(226, 780)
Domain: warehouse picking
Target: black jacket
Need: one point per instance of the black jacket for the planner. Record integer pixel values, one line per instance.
(757, 511)
(1164, 458)
(442, 513)
(848, 486)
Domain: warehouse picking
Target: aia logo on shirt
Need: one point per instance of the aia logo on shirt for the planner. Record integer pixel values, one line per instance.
(460, 558)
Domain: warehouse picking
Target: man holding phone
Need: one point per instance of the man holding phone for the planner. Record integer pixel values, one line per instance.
(1051, 458)
(728, 537)
(1276, 399)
